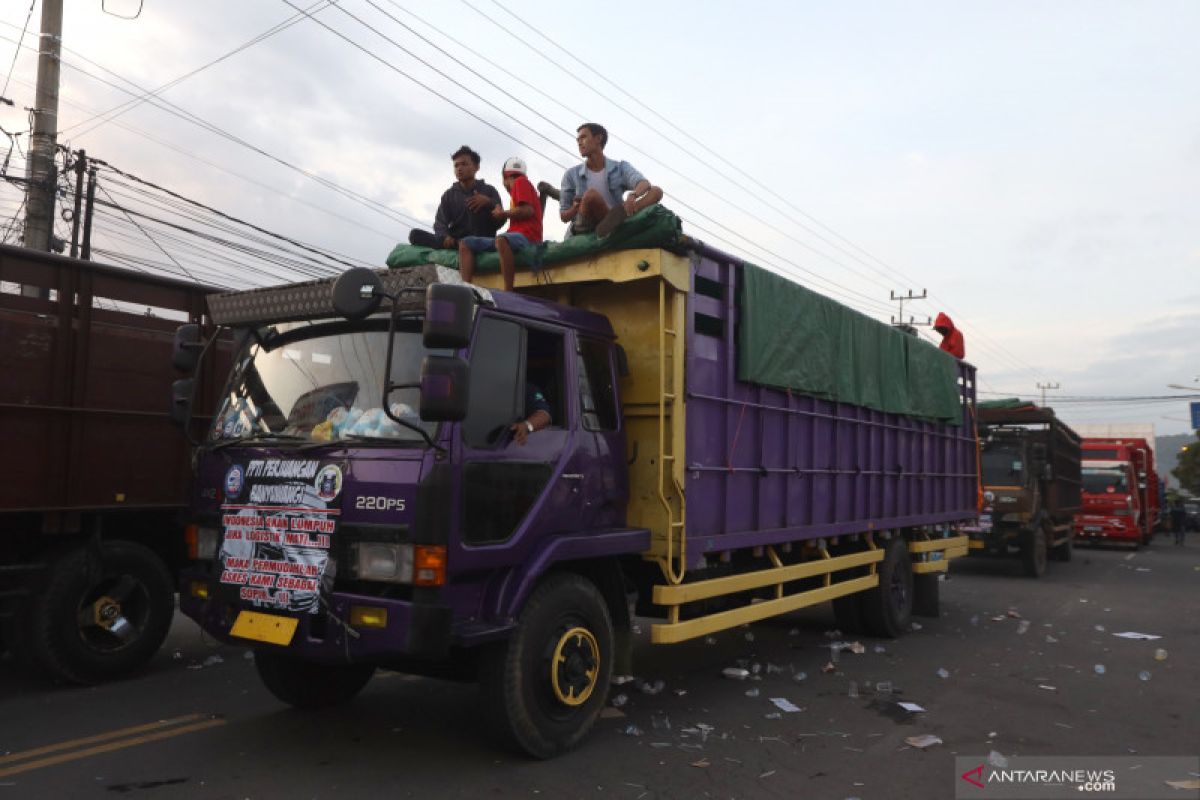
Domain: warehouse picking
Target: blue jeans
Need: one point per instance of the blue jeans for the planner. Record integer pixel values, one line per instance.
(486, 244)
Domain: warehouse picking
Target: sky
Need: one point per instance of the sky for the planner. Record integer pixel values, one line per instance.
(1032, 166)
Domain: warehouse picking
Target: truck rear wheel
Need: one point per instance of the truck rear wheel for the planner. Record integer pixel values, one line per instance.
(98, 619)
(303, 684)
(887, 609)
(546, 685)
(1033, 552)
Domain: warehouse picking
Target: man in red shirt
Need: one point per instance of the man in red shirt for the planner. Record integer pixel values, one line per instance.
(524, 217)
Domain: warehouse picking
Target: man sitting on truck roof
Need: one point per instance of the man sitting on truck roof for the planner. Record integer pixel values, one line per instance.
(591, 196)
(952, 338)
(465, 209)
(524, 226)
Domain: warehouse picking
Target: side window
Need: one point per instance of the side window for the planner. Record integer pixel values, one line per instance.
(544, 371)
(597, 395)
(497, 395)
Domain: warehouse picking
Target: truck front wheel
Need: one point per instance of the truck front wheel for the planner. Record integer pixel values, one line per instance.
(887, 609)
(303, 684)
(546, 685)
(1033, 552)
(100, 618)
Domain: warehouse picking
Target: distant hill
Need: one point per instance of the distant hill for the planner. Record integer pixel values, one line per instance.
(1168, 452)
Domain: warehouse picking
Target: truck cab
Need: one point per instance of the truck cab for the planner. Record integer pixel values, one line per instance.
(1112, 508)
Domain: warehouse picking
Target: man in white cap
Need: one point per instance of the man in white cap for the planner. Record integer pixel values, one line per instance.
(524, 216)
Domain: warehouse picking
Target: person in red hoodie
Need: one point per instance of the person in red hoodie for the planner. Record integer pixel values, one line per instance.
(524, 226)
(952, 338)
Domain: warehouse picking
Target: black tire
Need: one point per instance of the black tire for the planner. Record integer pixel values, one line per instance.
(99, 619)
(847, 612)
(1034, 552)
(535, 706)
(887, 609)
(303, 684)
(927, 595)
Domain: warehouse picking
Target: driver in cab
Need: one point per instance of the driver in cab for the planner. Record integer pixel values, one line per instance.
(537, 414)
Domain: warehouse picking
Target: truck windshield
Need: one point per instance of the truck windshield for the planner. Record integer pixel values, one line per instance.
(1102, 481)
(324, 382)
(1002, 465)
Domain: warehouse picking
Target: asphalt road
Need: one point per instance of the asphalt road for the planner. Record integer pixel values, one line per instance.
(198, 724)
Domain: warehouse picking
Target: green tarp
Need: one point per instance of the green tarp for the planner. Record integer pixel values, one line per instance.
(793, 338)
(653, 226)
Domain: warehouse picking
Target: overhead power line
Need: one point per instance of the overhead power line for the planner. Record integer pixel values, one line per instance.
(17, 51)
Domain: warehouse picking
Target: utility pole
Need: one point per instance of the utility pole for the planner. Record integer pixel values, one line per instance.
(41, 173)
(1046, 386)
(907, 324)
(80, 168)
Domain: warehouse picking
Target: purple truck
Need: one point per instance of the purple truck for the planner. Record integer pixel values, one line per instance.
(712, 445)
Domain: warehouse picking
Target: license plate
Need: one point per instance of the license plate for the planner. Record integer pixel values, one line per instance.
(1093, 528)
(269, 628)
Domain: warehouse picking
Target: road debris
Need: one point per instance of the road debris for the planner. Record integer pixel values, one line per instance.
(1099, 669)
(1139, 636)
(1053, 688)
(653, 688)
(632, 730)
(702, 763)
(611, 713)
(911, 708)
(1192, 784)
(1144, 675)
(997, 760)
(922, 741)
(1160, 655)
(783, 704)
(943, 673)
(736, 673)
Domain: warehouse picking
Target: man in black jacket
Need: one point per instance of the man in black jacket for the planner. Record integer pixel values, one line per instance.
(465, 209)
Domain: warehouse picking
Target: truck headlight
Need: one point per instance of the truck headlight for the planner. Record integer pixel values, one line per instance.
(383, 561)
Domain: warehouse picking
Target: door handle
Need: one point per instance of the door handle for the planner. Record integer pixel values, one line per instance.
(572, 476)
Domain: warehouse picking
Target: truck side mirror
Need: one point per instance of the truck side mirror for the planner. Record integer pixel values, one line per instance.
(357, 293)
(180, 411)
(449, 314)
(186, 348)
(445, 385)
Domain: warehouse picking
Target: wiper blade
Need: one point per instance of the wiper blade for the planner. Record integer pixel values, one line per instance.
(261, 436)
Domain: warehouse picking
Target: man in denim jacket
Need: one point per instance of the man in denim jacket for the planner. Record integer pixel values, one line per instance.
(593, 193)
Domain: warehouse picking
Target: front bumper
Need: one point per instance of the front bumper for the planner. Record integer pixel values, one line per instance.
(413, 630)
(1106, 529)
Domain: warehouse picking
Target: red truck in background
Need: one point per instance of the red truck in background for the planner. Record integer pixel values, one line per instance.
(1120, 491)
